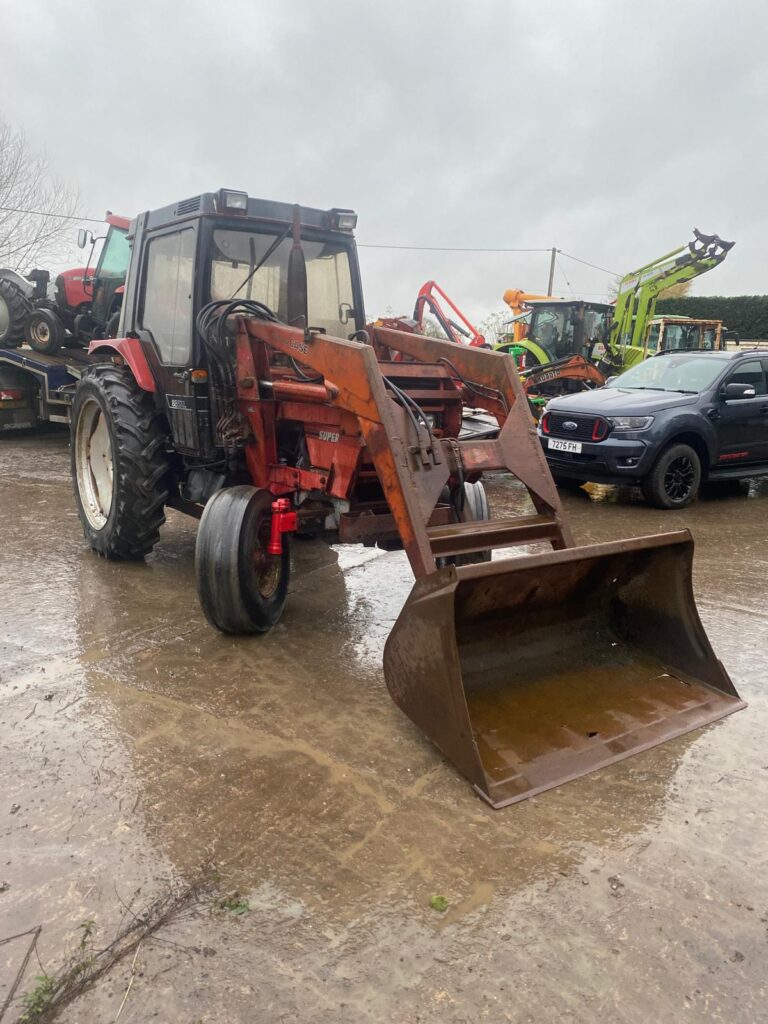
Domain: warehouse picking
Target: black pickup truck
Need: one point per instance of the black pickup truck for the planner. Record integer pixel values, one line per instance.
(667, 425)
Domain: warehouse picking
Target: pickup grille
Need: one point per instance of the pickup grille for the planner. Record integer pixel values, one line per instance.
(588, 428)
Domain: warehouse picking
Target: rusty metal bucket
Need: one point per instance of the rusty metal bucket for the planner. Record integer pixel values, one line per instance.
(532, 671)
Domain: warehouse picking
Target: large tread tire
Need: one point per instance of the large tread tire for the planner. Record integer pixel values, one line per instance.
(139, 463)
(674, 480)
(14, 309)
(241, 589)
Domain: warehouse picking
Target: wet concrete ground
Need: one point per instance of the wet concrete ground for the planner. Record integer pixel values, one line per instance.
(136, 744)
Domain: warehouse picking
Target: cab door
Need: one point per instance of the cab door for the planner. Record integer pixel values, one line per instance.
(166, 328)
(742, 425)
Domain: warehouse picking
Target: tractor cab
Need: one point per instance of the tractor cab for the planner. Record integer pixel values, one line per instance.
(682, 333)
(559, 328)
(225, 248)
(107, 283)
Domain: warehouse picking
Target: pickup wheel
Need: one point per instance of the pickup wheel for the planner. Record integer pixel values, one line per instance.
(674, 480)
(119, 463)
(242, 588)
(14, 307)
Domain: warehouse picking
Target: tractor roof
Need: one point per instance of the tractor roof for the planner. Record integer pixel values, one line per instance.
(213, 204)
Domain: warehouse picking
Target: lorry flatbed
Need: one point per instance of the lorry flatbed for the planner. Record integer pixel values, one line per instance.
(37, 388)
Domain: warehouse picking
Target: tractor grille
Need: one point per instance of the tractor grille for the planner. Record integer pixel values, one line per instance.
(588, 428)
(188, 205)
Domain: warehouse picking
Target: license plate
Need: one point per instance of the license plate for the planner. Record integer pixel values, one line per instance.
(564, 446)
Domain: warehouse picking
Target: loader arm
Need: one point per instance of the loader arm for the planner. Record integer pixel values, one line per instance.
(413, 465)
(639, 290)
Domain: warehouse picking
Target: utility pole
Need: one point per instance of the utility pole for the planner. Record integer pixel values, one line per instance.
(551, 271)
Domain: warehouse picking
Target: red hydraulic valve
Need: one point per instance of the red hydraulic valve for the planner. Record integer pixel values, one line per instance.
(284, 520)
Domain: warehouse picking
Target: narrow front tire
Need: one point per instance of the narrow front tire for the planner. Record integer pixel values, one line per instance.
(242, 588)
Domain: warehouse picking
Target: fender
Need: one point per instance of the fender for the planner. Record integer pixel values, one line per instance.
(529, 346)
(18, 280)
(132, 353)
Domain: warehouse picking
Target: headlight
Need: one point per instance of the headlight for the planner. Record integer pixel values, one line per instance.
(630, 422)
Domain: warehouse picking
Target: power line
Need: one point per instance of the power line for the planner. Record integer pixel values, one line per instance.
(46, 213)
(613, 273)
(565, 277)
(444, 248)
(360, 245)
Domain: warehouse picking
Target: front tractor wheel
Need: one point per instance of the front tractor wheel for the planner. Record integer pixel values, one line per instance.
(242, 588)
(44, 331)
(119, 463)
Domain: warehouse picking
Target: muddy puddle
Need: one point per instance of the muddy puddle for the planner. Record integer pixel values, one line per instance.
(137, 744)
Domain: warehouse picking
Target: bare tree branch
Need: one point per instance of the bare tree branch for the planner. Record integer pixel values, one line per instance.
(27, 183)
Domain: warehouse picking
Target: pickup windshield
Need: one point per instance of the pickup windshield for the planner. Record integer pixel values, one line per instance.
(330, 298)
(689, 372)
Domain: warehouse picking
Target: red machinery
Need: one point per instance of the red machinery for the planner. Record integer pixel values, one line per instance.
(429, 298)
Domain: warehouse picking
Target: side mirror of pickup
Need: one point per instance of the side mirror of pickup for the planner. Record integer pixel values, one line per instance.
(735, 391)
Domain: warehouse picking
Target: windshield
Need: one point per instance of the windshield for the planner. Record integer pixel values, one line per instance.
(688, 373)
(681, 336)
(553, 330)
(595, 325)
(330, 299)
(115, 254)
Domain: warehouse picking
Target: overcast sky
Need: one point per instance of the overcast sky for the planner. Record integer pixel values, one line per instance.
(607, 128)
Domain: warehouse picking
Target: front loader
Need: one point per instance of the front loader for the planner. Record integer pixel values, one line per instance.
(247, 389)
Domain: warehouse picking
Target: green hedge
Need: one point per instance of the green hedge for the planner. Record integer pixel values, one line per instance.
(747, 314)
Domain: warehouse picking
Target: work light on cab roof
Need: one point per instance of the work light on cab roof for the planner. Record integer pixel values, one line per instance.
(232, 202)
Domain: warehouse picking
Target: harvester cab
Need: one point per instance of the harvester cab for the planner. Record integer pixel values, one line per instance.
(247, 389)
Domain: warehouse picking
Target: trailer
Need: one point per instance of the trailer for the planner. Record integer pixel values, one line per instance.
(37, 388)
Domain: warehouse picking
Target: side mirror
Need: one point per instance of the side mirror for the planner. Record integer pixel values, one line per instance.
(610, 380)
(82, 238)
(737, 391)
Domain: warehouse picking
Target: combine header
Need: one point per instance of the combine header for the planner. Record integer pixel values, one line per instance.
(280, 411)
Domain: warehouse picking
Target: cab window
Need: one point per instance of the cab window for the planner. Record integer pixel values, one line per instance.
(749, 373)
(115, 254)
(653, 337)
(167, 301)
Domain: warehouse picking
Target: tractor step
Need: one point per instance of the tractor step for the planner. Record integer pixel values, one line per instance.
(464, 538)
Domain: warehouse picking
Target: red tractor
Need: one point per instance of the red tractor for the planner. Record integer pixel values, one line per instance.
(247, 389)
(80, 305)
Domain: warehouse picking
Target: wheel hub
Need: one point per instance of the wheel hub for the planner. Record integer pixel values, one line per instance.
(41, 332)
(94, 466)
(678, 478)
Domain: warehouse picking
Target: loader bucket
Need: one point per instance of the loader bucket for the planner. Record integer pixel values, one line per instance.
(532, 671)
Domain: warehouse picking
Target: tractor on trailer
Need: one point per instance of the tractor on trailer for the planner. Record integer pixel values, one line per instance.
(246, 388)
(83, 303)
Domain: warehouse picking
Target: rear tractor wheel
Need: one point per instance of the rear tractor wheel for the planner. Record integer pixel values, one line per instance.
(14, 307)
(242, 588)
(44, 331)
(119, 463)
